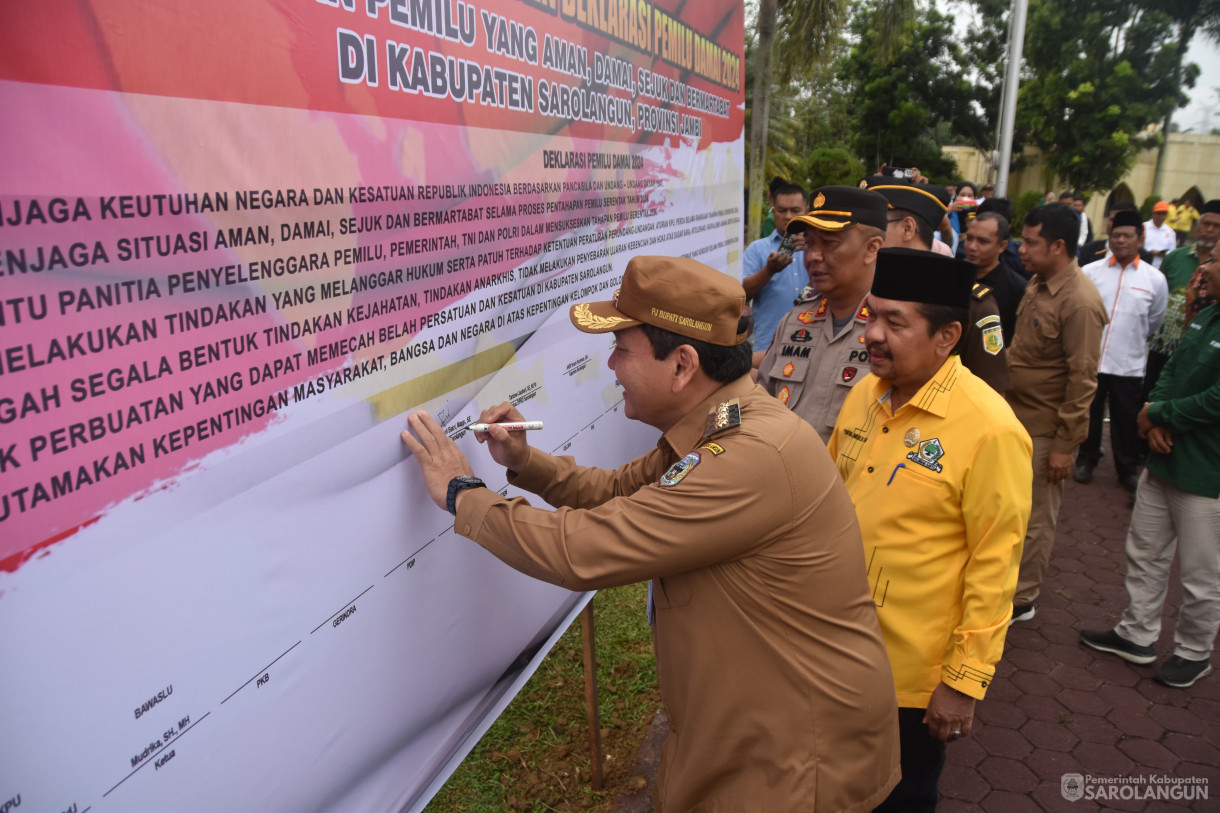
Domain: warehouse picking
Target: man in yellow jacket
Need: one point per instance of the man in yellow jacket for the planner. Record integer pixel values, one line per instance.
(939, 470)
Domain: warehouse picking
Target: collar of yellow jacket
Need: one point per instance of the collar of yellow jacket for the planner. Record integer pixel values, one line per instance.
(933, 397)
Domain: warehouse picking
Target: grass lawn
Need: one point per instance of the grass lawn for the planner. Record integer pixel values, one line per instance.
(536, 756)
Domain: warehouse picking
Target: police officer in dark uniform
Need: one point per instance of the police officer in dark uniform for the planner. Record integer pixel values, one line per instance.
(818, 352)
(915, 211)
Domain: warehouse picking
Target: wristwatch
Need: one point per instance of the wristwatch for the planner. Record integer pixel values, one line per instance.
(457, 484)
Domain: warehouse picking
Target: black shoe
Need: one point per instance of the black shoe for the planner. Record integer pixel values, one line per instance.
(1130, 482)
(1110, 641)
(1083, 473)
(1180, 673)
(1022, 612)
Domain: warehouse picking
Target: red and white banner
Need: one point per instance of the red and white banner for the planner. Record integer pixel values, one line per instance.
(238, 240)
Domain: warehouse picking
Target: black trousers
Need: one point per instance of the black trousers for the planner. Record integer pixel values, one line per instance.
(1123, 394)
(923, 759)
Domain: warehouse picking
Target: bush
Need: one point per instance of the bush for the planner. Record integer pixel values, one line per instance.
(834, 166)
(1146, 206)
(1025, 203)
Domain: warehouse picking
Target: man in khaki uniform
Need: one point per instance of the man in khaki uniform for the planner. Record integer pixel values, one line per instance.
(915, 210)
(818, 353)
(769, 654)
(1053, 359)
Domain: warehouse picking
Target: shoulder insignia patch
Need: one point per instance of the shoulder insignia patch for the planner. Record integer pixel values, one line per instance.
(805, 317)
(993, 319)
(723, 416)
(993, 339)
(679, 470)
(822, 308)
(862, 314)
(714, 448)
(981, 291)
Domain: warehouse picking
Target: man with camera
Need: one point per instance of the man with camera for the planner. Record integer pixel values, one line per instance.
(772, 267)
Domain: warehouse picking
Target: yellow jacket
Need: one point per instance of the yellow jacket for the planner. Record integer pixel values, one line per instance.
(942, 491)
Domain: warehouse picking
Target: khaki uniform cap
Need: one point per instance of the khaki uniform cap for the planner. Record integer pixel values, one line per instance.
(677, 294)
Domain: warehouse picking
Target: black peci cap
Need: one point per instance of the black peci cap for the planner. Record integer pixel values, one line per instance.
(910, 275)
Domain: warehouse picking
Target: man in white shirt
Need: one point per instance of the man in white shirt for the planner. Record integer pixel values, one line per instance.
(1086, 228)
(1159, 239)
(1135, 295)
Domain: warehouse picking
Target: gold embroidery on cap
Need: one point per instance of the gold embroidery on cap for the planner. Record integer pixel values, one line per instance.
(819, 200)
(586, 319)
(685, 321)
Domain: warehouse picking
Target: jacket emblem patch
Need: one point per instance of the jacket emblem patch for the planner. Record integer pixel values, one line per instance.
(679, 470)
(783, 395)
(927, 455)
(849, 373)
(993, 340)
(805, 317)
(714, 448)
(802, 336)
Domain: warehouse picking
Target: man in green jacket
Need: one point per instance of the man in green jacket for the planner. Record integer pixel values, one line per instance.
(1178, 501)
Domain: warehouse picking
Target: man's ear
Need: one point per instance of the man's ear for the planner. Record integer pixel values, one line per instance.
(686, 364)
(947, 338)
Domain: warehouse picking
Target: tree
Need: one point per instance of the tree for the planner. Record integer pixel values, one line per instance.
(907, 108)
(1102, 74)
(1188, 17)
(805, 28)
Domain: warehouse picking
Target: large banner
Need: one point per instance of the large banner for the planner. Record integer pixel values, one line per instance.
(238, 241)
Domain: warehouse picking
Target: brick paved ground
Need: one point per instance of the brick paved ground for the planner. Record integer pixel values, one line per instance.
(1057, 707)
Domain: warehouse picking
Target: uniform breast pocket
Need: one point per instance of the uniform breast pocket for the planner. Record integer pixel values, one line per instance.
(789, 373)
(1134, 301)
(912, 479)
(670, 592)
(1210, 355)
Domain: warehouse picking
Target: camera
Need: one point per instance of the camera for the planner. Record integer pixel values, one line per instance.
(899, 172)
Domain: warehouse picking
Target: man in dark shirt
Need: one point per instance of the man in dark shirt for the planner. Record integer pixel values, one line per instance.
(987, 238)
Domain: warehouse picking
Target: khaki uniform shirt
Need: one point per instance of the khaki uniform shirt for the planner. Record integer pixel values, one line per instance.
(770, 658)
(810, 369)
(1054, 355)
(942, 489)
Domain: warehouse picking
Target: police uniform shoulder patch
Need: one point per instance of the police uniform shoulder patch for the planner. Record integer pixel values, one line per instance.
(714, 448)
(862, 314)
(990, 319)
(675, 473)
(981, 291)
(726, 415)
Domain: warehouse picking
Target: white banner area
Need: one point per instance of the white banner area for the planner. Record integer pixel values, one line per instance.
(237, 244)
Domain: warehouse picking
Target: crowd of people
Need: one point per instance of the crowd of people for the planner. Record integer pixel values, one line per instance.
(856, 487)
